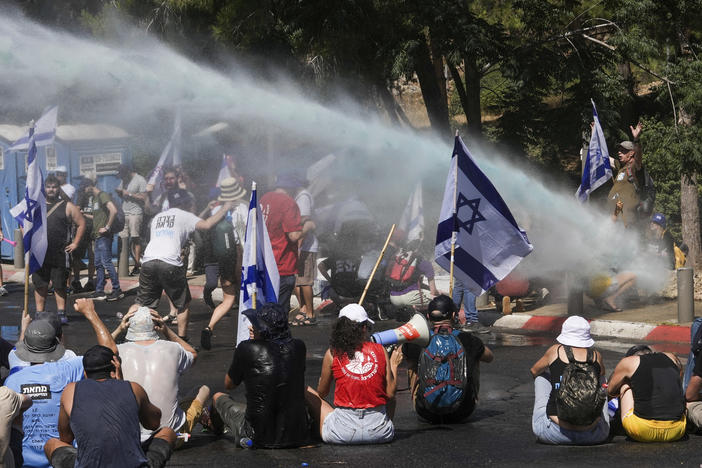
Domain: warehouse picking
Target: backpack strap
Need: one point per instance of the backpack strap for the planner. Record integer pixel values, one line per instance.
(569, 353)
(590, 356)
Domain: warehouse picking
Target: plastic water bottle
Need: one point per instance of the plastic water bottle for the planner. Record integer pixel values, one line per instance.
(612, 407)
(245, 442)
(120, 315)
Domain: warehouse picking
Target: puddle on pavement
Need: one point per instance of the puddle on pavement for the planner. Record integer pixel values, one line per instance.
(505, 339)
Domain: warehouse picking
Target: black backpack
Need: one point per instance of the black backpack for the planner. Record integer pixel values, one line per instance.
(223, 241)
(580, 397)
(117, 225)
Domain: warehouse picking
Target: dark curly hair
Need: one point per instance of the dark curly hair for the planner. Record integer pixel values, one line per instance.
(347, 337)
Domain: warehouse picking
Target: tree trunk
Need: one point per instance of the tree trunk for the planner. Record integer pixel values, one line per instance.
(690, 214)
(472, 110)
(437, 107)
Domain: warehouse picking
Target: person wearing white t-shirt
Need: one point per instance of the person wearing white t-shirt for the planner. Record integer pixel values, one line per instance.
(307, 261)
(156, 363)
(162, 266)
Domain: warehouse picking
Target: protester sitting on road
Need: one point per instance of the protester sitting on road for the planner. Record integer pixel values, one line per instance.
(102, 413)
(651, 398)
(157, 364)
(226, 242)
(569, 410)
(692, 392)
(162, 268)
(12, 404)
(604, 289)
(365, 380)
(463, 352)
(45, 380)
(272, 367)
(404, 272)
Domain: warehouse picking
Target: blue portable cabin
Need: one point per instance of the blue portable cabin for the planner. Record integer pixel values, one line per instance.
(87, 150)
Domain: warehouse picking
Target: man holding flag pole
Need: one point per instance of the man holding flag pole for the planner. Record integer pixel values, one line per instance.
(30, 213)
(478, 240)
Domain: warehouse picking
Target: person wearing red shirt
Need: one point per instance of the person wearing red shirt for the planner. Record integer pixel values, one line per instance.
(282, 218)
(366, 380)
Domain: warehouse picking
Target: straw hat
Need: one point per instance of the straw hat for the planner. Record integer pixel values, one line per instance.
(230, 190)
(576, 332)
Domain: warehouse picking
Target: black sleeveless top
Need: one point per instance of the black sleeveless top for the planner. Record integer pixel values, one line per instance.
(105, 422)
(556, 369)
(657, 389)
(58, 233)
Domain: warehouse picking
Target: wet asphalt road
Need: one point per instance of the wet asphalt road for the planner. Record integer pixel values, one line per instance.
(498, 433)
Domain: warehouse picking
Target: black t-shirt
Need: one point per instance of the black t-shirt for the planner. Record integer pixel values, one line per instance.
(657, 389)
(274, 377)
(474, 349)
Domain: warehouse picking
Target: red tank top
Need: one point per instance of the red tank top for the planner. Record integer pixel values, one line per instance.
(360, 382)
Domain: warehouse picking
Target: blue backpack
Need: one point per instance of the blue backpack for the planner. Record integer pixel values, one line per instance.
(443, 373)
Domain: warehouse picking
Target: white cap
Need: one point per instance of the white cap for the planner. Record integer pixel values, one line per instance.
(69, 190)
(61, 169)
(576, 332)
(355, 313)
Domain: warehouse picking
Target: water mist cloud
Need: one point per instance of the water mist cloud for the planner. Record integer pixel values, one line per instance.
(135, 81)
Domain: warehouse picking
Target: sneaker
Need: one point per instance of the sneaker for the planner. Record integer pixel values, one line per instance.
(115, 295)
(135, 271)
(89, 286)
(206, 338)
(4, 291)
(475, 327)
(63, 318)
(76, 287)
(98, 296)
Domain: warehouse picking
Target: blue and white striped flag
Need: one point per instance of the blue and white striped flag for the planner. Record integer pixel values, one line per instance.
(44, 132)
(412, 220)
(489, 243)
(596, 168)
(259, 271)
(30, 213)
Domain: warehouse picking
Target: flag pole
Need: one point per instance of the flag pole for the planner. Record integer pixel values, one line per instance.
(453, 233)
(377, 263)
(254, 238)
(25, 311)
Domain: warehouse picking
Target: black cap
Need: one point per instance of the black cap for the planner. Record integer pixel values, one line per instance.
(441, 308)
(97, 362)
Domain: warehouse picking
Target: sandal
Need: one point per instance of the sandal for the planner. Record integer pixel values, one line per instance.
(303, 321)
(609, 308)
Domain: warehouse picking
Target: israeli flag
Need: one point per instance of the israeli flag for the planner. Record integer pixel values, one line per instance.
(412, 220)
(488, 241)
(259, 271)
(30, 213)
(44, 132)
(224, 171)
(596, 168)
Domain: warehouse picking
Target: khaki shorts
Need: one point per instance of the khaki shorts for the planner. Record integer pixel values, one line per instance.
(132, 225)
(650, 430)
(306, 269)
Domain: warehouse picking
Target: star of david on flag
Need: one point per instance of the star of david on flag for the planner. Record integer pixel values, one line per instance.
(596, 168)
(488, 242)
(30, 213)
(259, 272)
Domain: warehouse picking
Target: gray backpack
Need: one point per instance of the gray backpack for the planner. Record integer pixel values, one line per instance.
(580, 397)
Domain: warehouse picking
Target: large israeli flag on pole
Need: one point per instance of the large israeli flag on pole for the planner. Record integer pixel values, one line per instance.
(412, 220)
(596, 168)
(30, 213)
(488, 241)
(44, 132)
(259, 272)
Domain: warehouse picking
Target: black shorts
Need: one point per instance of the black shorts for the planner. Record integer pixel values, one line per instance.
(157, 452)
(156, 277)
(48, 273)
(227, 271)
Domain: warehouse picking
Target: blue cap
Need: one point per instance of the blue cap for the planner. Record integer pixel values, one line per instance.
(659, 218)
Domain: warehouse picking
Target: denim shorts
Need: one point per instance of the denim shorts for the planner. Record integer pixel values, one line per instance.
(352, 426)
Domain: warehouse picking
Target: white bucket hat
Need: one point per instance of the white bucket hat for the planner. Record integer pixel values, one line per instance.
(576, 332)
